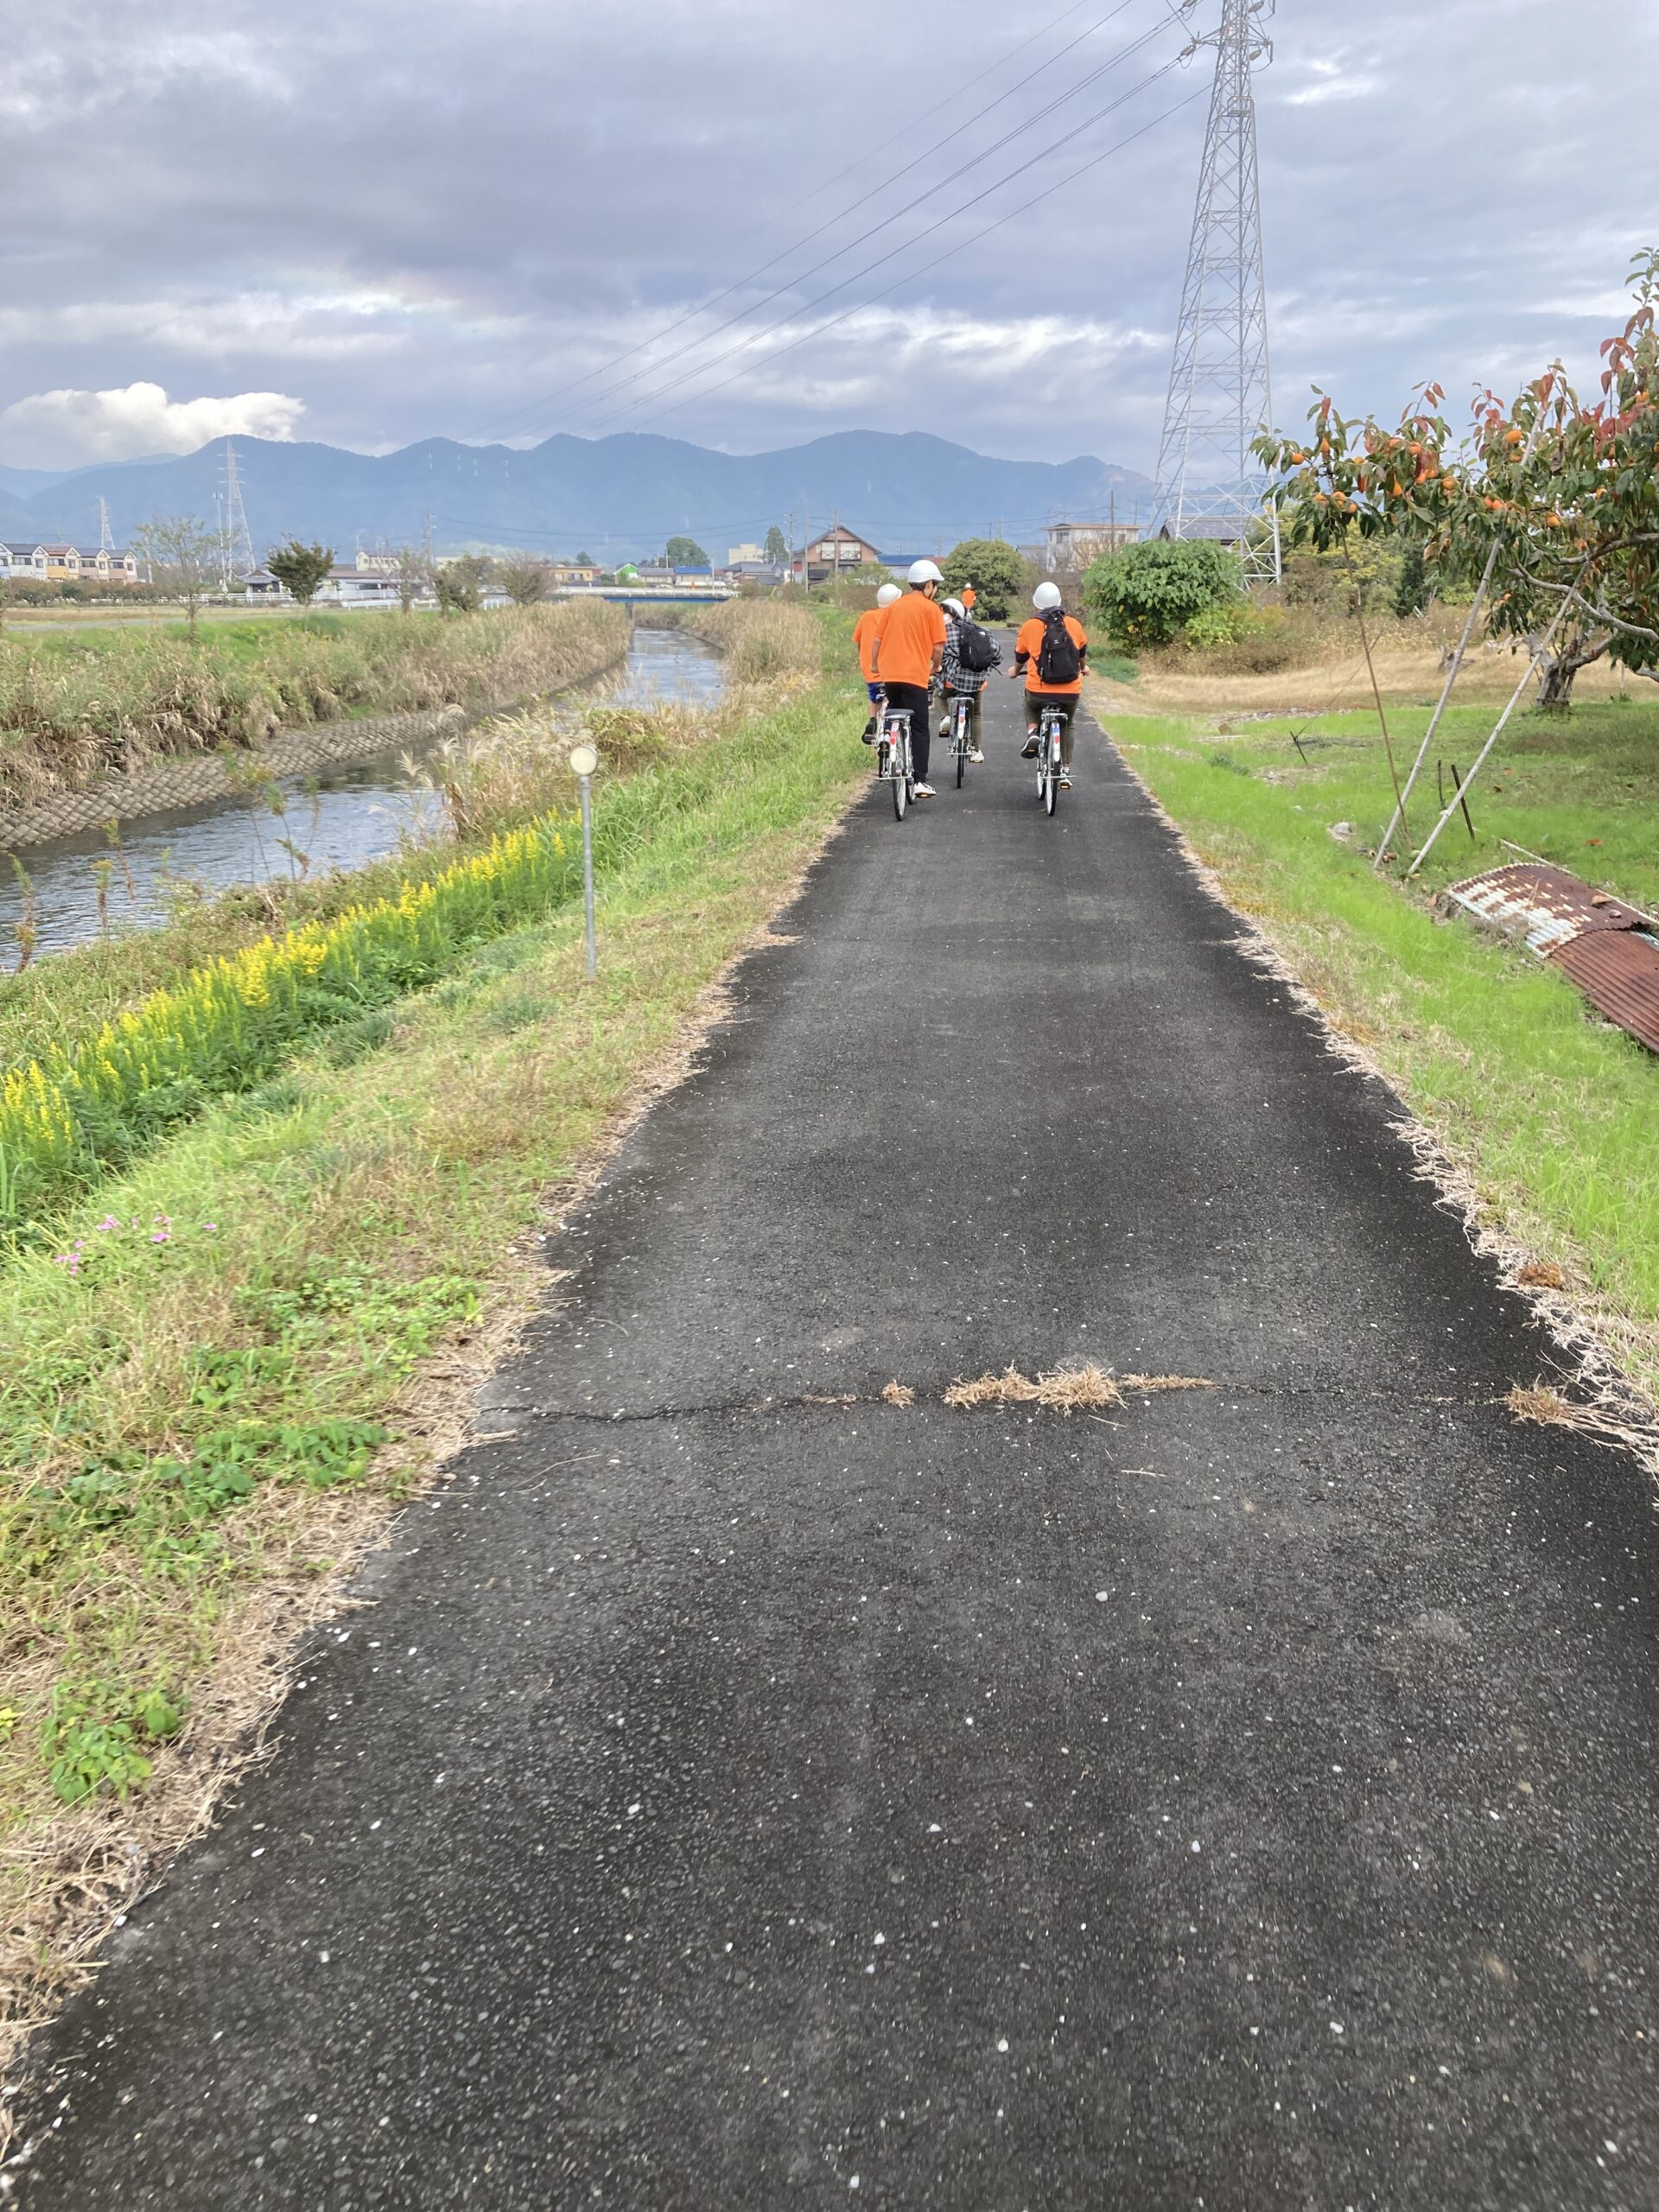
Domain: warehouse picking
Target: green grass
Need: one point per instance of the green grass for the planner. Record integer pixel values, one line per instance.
(214, 1406)
(1552, 1112)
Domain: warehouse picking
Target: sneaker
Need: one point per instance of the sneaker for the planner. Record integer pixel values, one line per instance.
(923, 791)
(944, 733)
(975, 754)
(1028, 750)
(1065, 780)
(870, 731)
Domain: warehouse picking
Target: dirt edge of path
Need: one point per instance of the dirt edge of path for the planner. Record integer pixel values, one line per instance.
(113, 1854)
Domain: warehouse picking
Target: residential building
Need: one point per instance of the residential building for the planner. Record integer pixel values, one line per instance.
(575, 572)
(356, 587)
(100, 564)
(739, 555)
(835, 553)
(62, 564)
(24, 563)
(1077, 545)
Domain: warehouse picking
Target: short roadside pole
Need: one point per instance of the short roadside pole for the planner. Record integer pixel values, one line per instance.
(583, 760)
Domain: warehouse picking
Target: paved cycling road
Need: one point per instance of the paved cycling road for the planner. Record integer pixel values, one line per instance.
(736, 1800)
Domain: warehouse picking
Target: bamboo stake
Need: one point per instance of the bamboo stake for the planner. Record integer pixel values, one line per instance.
(1365, 642)
(1451, 675)
(1531, 670)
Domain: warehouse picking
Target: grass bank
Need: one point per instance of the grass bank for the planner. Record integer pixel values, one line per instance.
(1550, 1112)
(266, 1331)
(74, 705)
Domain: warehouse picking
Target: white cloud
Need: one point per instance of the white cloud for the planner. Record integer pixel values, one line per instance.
(63, 428)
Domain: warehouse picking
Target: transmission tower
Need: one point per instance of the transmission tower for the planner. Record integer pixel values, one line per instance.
(1209, 484)
(105, 535)
(235, 539)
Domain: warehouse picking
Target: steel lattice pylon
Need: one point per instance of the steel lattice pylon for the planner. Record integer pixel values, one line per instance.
(236, 554)
(1209, 484)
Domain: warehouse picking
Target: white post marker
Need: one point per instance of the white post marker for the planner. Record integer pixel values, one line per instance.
(584, 758)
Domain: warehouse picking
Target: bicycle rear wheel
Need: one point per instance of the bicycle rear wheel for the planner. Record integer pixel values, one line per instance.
(901, 779)
(1051, 772)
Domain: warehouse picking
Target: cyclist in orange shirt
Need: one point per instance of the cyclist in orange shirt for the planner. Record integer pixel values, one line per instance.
(1052, 653)
(866, 631)
(907, 658)
(970, 597)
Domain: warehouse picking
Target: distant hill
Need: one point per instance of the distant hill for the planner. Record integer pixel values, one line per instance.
(616, 498)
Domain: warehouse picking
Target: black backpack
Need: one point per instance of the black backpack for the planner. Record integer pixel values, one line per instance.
(1058, 658)
(975, 652)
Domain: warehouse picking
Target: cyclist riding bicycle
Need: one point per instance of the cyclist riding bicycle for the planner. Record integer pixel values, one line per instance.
(866, 631)
(1052, 653)
(970, 654)
(906, 657)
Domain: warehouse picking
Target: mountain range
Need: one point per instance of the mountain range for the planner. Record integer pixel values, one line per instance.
(618, 498)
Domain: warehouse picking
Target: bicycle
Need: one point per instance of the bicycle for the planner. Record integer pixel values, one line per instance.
(1049, 770)
(962, 734)
(893, 764)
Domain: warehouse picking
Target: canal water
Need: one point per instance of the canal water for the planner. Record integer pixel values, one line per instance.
(355, 815)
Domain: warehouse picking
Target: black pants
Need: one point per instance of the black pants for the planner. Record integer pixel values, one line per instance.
(913, 697)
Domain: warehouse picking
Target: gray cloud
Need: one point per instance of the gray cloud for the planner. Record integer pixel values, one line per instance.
(430, 223)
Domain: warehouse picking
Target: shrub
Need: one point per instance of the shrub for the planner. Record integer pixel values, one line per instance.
(994, 569)
(1217, 626)
(1146, 594)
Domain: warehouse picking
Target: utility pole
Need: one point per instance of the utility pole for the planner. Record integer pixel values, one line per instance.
(806, 574)
(1209, 484)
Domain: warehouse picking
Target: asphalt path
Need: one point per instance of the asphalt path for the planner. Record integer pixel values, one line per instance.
(736, 1799)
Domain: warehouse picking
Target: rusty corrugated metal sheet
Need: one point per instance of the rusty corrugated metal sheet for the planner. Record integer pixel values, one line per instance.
(1544, 905)
(1618, 970)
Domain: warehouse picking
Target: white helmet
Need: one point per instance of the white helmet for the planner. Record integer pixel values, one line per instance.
(924, 572)
(955, 606)
(887, 594)
(1045, 597)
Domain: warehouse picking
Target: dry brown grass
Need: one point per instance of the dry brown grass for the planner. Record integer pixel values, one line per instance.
(1407, 673)
(1067, 1390)
(127, 698)
(898, 1394)
(1145, 1384)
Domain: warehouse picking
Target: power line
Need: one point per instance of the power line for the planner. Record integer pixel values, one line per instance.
(910, 275)
(705, 307)
(955, 214)
(984, 154)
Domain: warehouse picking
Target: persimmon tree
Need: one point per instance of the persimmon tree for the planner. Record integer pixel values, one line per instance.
(1550, 505)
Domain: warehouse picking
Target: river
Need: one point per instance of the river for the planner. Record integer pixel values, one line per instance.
(356, 814)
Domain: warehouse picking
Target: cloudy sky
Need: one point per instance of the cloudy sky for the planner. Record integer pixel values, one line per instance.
(370, 226)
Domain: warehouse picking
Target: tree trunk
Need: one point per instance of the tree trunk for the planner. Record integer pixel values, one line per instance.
(1557, 671)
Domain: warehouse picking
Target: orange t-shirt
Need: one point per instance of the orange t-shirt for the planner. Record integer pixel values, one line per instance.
(970, 597)
(915, 626)
(1030, 640)
(868, 628)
